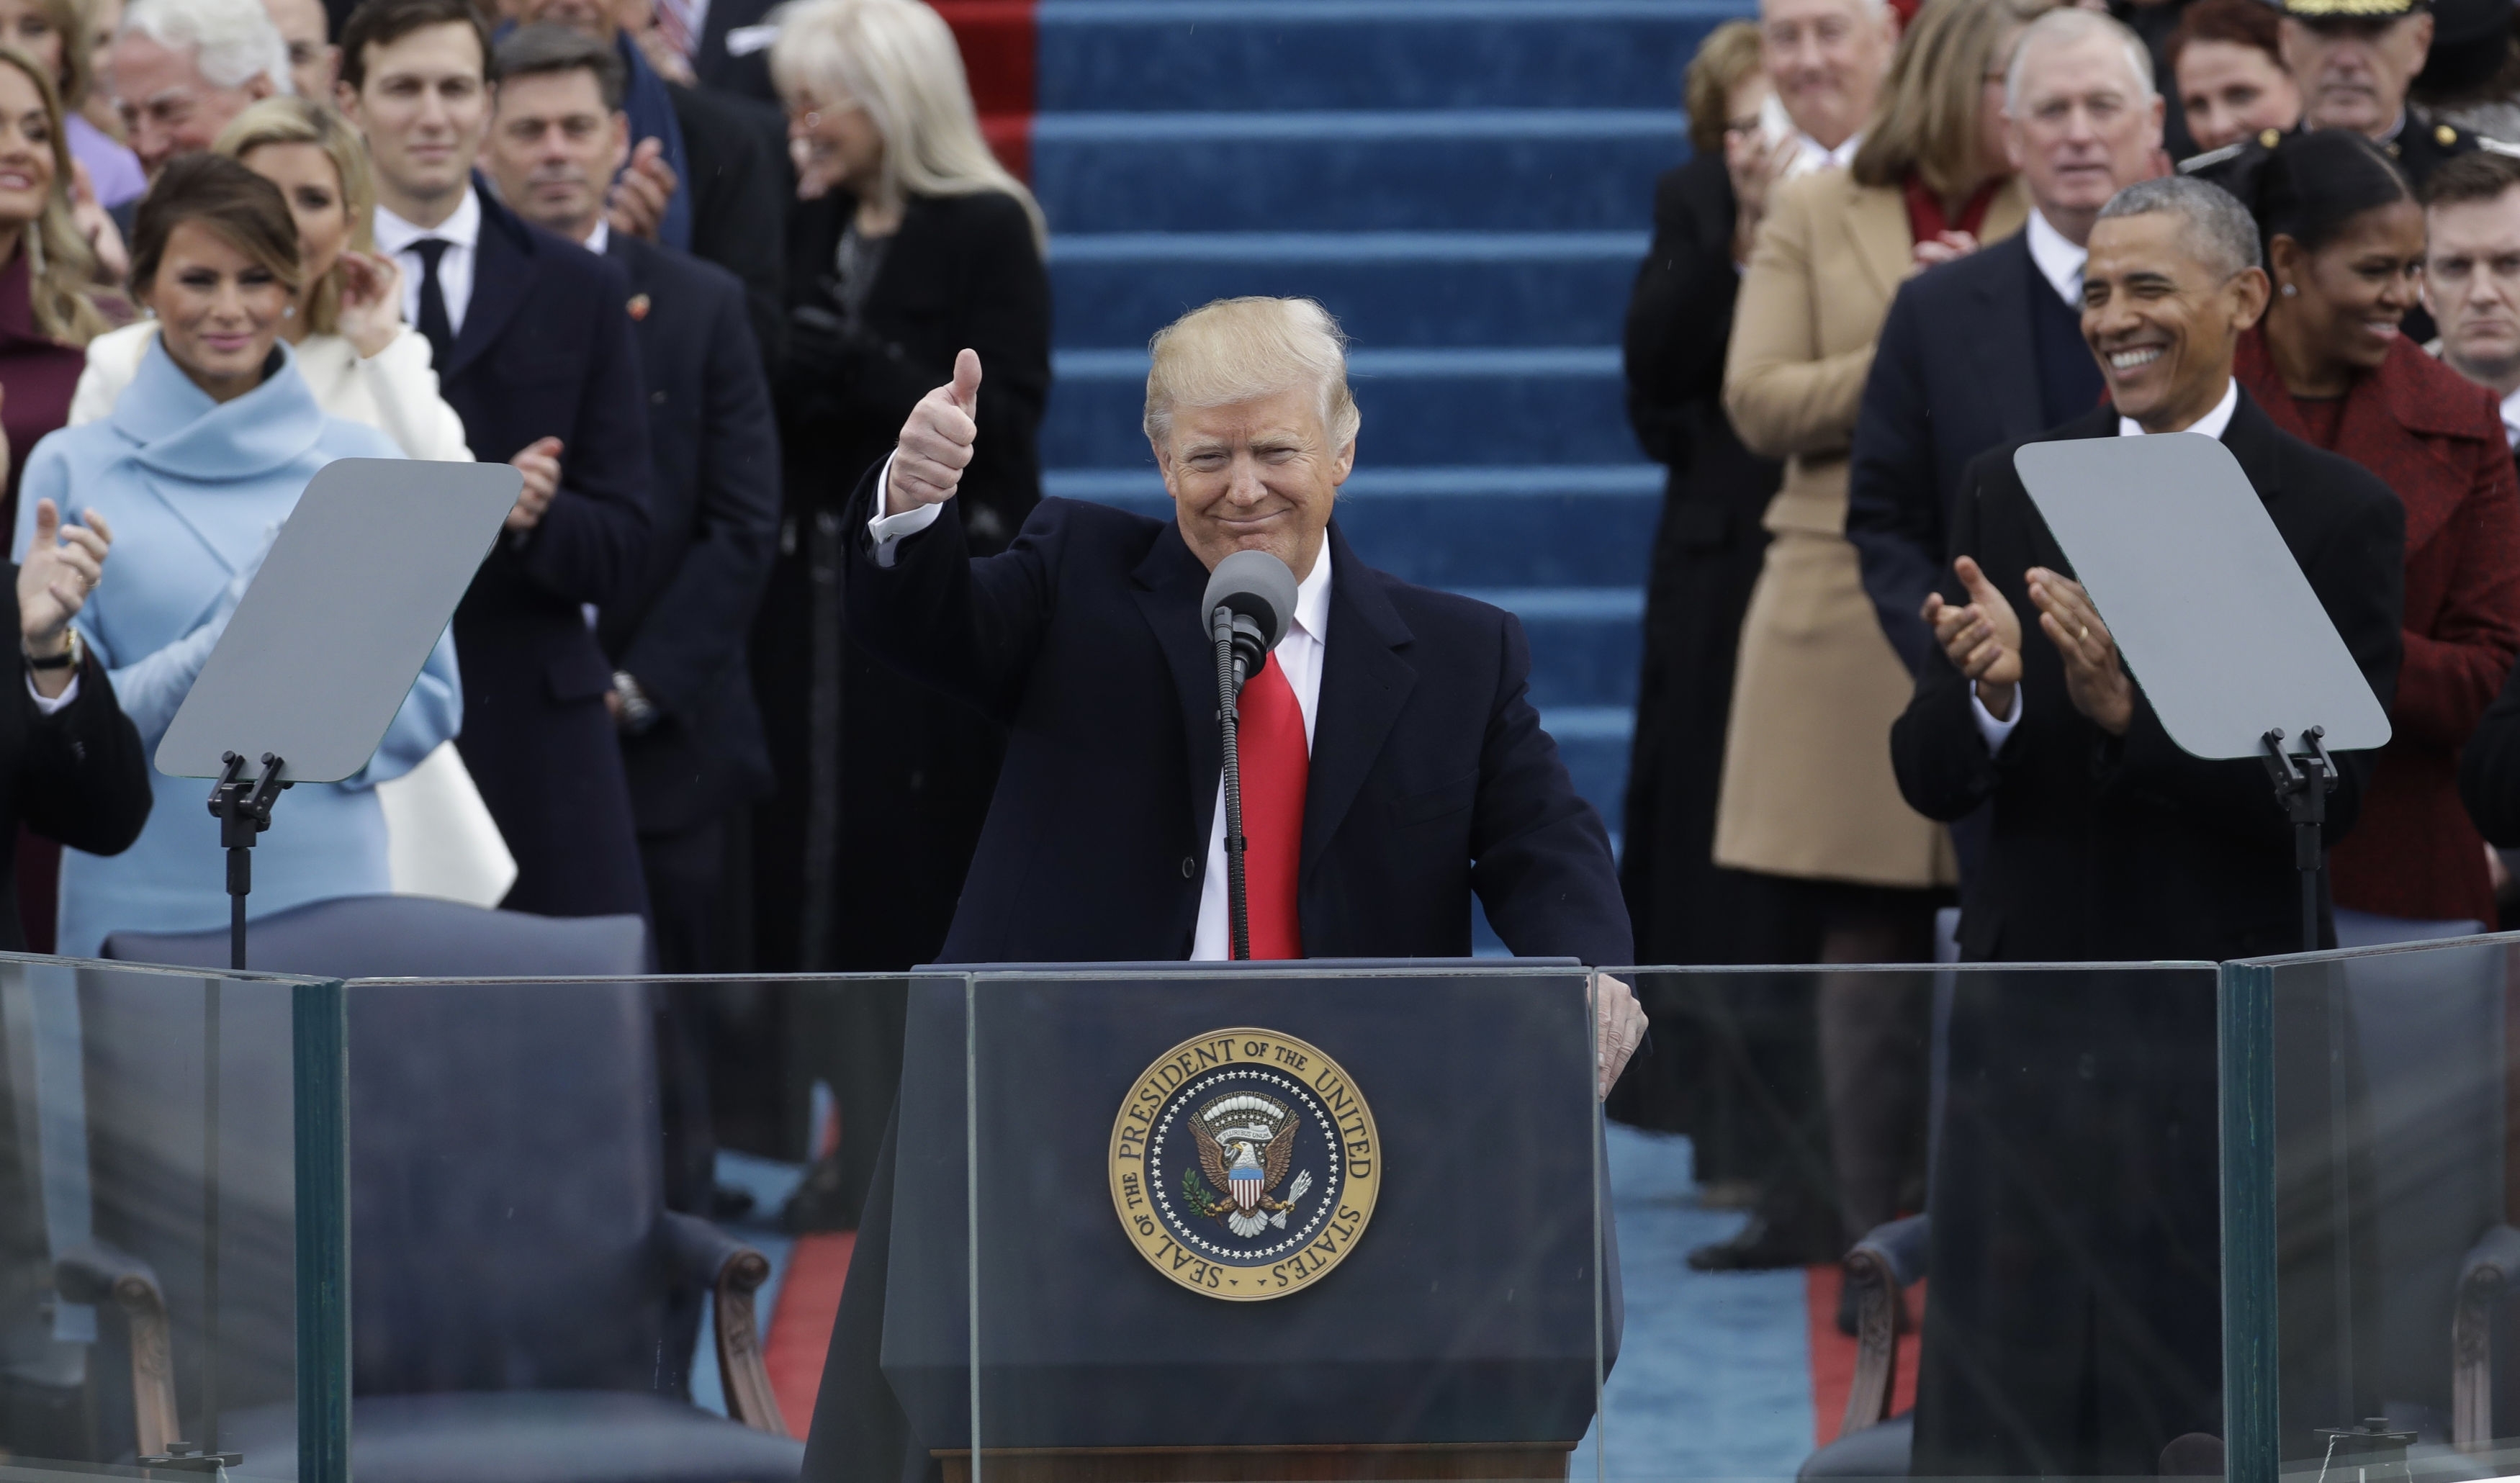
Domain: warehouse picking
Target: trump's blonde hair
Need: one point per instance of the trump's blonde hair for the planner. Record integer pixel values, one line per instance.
(1236, 349)
(897, 60)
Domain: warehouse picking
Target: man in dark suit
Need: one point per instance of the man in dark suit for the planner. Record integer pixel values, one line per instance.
(531, 339)
(721, 194)
(2081, 1125)
(1426, 777)
(2081, 120)
(1392, 762)
(691, 733)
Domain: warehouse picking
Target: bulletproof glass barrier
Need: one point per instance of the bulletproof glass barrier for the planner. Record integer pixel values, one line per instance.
(1957, 1221)
(2370, 1137)
(170, 1200)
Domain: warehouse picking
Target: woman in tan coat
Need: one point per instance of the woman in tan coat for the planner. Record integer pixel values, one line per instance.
(1808, 796)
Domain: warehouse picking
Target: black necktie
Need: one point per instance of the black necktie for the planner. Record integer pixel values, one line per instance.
(434, 325)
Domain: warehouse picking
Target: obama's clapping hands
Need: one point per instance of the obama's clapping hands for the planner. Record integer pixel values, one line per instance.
(1983, 641)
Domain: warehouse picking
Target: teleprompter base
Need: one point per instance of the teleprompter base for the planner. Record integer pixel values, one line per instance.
(1262, 1464)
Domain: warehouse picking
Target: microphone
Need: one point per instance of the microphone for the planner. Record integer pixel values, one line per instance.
(1250, 600)
(1257, 593)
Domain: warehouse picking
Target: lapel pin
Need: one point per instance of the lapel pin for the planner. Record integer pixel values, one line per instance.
(638, 307)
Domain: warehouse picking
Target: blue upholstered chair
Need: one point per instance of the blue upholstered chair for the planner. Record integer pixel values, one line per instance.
(516, 1278)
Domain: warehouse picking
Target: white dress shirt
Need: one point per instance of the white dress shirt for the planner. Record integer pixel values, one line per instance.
(1300, 659)
(1819, 157)
(2211, 424)
(887, 530)
(2058, 259)
(2512, 421)
(463, 233)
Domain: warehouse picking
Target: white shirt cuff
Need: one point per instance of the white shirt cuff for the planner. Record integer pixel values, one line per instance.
(50, 705)
(887, 530)
(1996, 732)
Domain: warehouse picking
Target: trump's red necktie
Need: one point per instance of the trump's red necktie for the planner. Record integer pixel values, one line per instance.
(1275, 760)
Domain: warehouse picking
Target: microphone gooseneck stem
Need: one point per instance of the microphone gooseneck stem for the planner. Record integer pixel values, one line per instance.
(1229, 686)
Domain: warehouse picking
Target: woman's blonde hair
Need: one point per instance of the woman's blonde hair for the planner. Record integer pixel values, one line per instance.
(70, 23)
(62, 268)
(897, 60)
(1929, 118)
(1235, 349)
(286, 120)
(1727, 58)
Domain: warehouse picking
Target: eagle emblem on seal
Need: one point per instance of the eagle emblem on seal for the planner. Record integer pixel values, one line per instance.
(1245, 1141)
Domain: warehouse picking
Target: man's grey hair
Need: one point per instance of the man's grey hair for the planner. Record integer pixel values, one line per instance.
(2067, 27)
(232, 42)
(2218, 228)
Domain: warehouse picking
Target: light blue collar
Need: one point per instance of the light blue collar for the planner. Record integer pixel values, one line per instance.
(180, 430)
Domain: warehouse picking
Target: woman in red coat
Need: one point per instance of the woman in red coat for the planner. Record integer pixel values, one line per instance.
(2344, 242)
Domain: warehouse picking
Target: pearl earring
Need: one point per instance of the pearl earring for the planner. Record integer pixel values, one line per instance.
(2289, 290)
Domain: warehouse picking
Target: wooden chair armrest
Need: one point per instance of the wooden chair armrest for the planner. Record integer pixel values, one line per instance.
(732, 1272)
(96, 1273)
(1880, 1267)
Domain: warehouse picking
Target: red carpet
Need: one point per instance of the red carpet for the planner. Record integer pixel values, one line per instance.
(1832, 1355)
(800, 1327)
(999, 40)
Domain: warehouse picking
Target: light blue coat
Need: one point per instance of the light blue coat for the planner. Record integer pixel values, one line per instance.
(195, 491)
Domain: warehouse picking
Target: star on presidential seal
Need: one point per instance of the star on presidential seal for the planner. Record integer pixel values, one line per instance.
(1244, 1164)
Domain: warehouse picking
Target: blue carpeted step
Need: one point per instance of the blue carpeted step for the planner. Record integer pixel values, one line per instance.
(1585, 642)
(1487, 406)
(1417, 288)
(1496, 170)
(1197, 55)
(1463, 529)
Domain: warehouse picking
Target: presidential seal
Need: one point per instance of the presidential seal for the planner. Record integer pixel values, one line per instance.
(1244, 1164)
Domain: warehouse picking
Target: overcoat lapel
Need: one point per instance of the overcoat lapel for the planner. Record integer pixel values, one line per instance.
(1877, 221)
(1169, 581)
(502, 274)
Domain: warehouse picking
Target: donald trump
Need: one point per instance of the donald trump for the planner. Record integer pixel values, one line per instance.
(1392, 763)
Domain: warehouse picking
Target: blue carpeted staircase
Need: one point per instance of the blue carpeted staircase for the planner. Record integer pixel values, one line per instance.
(1467, 185)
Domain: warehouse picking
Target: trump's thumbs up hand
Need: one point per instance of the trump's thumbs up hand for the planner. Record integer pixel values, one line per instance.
(936, 443)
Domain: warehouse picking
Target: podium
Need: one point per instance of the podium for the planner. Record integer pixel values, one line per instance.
(1061, 1133)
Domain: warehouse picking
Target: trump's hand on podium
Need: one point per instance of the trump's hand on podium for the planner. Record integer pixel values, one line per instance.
(936, 443)
(1982, 640)
(2095, 681)
(1621, 1024)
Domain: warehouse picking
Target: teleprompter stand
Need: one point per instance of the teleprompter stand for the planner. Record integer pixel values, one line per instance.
(315, 663)
(243, 807)
(2303, 781)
